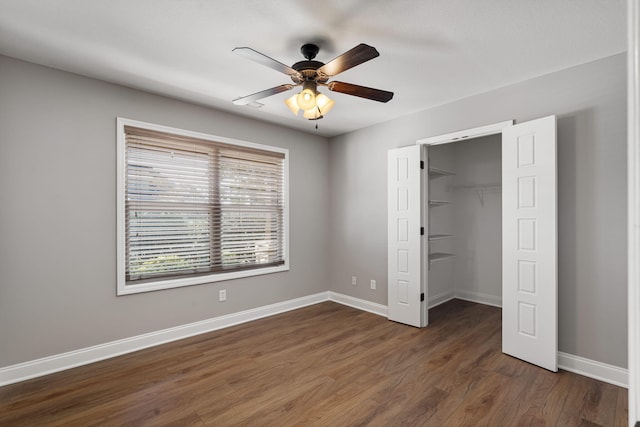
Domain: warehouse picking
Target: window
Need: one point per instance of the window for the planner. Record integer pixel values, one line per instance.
(194, 208)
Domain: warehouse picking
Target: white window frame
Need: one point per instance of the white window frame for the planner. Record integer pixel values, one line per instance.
(125, 289)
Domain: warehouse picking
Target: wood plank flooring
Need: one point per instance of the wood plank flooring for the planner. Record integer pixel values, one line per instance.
(323, 365)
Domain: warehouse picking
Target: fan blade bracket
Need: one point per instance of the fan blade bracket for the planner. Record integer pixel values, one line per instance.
(360, 91)
(356, 56)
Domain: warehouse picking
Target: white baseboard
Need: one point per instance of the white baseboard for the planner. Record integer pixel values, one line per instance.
(47, 365)
(59, 362)
(436, 300)
(593, 369)
(568, 362)
(479, 298)
(361, 304)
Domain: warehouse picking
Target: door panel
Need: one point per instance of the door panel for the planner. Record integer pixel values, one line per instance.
(404, 240)
(529, 242)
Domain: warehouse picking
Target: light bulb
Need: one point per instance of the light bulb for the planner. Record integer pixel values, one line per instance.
(307, 98)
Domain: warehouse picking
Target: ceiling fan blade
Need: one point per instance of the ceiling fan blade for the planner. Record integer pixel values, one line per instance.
(361, 91)
(263, 59)
(262, 94)
(349, 59)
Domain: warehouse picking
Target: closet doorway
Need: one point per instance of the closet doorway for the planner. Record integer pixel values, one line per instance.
(419, 236)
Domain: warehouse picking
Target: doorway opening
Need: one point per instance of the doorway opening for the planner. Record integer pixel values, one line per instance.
(464, 217)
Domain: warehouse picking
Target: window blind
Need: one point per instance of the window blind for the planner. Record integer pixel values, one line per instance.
(195, 206)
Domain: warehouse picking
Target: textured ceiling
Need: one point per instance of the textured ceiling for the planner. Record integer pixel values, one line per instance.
(431, 51)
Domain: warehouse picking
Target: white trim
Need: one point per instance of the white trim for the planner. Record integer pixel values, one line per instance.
(593, 369)
(633, 216)
(122, 121)
(476, 297)
(48, 365)
(59, 362)
(441, 298)
(360, 304)
(121, 217)
(122, 287)
(480, 298)
(492, 129)
(579, 365)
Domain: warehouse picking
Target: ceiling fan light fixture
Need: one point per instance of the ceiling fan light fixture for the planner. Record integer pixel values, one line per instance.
(292, 104)
(312, 114)
(323, 105)
(307, 98)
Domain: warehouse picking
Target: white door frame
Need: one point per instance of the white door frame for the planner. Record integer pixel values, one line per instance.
(633, 201)
(491, 129)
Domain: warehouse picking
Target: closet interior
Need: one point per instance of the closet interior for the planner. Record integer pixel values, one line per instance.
(464, 221)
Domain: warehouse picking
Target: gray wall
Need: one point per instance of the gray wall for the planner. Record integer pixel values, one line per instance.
(57, 206)
(58, 215)
(590, 102)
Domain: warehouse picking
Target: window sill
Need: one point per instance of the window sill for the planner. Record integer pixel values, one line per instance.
(125, 289)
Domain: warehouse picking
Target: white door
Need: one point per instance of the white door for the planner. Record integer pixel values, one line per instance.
(404, 239)
(529, 243)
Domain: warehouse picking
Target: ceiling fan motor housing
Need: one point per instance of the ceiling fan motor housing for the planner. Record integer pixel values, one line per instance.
(309, 50)
(308, 68)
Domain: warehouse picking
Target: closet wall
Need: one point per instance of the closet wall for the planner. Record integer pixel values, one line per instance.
(441, 220)
(477, 196)
(473, 217)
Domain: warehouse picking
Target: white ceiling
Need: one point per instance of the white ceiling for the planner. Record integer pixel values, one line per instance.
(431, 51)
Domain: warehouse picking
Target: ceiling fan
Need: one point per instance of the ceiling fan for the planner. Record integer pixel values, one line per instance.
(310, 74)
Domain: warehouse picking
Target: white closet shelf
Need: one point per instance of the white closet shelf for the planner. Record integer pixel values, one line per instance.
(437, 173)
(440, 236)
(489, 186)
(437, 256)
(434, 203)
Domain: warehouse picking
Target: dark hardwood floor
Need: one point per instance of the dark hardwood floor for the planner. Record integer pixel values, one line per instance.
(324, 365)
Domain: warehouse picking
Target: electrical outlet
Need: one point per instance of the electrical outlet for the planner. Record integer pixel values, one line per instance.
(222, 295)
(373, 285)
(354, 280)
